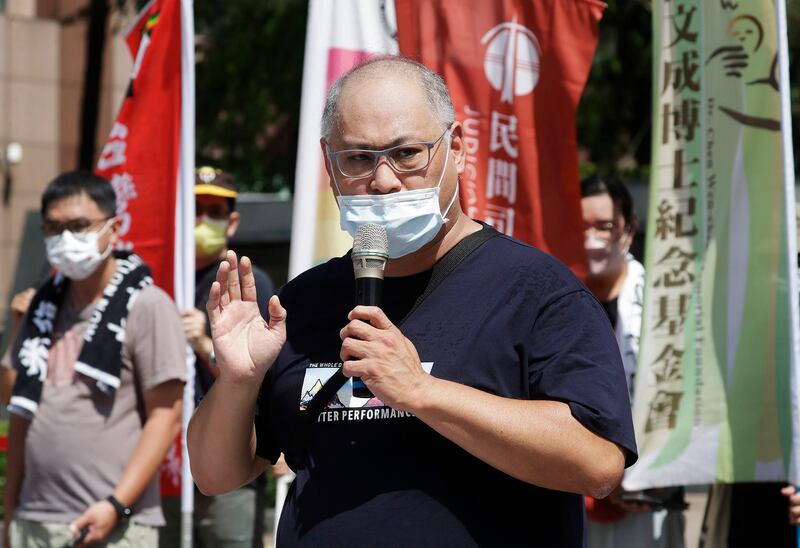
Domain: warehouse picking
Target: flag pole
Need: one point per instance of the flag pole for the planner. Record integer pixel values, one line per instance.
(184, 250)
(306, 188)
(791, 236)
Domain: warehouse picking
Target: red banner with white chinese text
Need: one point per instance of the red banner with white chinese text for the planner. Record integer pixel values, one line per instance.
(516, 71)
(142, 155)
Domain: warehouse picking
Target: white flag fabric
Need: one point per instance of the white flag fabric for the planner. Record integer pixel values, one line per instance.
(340, 34)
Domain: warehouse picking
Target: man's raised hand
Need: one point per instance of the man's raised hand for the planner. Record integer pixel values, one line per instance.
(245, 345)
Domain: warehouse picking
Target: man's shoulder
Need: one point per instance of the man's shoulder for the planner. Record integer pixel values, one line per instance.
(152, 309)
(154, 338)
(152, 296)
(509, 258)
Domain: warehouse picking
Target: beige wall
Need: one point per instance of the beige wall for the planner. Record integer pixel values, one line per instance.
(42, 62)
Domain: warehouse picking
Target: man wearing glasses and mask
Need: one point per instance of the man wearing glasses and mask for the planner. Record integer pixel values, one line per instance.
(98, 368)
(498, 399)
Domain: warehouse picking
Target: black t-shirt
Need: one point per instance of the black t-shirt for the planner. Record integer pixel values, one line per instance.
(612, 310)
(203, 279)
(509, 320)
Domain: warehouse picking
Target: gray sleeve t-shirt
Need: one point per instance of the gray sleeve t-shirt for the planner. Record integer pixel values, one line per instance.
(80, 440)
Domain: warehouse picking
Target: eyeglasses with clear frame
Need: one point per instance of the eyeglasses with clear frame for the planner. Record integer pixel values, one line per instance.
(218, 212)
(80, 225)
(405, 158)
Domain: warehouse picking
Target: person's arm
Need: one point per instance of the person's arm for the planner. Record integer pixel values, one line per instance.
(538, 442)
(222, 441)
(194, 327)
(19, 307)
(8, 375)
(221, 438)
(163, 405)
(790, 492)
(15, 470)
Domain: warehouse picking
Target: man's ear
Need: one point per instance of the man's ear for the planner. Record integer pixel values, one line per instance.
(632, 228)
(457, 146)
(113, 231)
(233, 224)
(328, 166)
(324, 147)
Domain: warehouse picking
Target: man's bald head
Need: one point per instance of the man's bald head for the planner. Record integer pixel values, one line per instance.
(436, 93)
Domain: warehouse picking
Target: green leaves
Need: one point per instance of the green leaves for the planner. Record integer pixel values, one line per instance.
(614, 115)
(249, 77)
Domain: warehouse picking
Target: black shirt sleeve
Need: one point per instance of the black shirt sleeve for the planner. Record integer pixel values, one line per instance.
(573, 357)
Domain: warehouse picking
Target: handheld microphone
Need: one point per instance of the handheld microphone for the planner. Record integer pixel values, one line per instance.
(370, 252)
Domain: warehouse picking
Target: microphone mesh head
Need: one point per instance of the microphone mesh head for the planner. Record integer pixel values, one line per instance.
(370, 246)
(370, 239)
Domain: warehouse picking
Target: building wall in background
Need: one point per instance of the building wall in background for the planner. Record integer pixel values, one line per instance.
(42, 63)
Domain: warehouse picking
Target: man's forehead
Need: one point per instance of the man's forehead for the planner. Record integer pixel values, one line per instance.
(361, 142)
(209, 199)
(76, 206)
(600, 206)
(382, 111)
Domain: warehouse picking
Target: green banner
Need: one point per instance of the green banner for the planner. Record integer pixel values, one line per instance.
(713, 394)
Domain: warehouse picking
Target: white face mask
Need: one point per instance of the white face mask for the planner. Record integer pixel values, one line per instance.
(602, 254)
(77, 256)
(412, 218)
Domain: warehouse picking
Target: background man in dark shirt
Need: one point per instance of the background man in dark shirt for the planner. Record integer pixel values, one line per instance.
(230, 520)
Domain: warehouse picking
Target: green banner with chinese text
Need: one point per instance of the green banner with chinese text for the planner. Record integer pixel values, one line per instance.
(713, 394)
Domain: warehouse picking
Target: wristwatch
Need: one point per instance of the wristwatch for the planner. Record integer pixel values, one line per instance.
(123, 512)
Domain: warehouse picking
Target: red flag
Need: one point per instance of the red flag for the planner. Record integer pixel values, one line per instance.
(141, 156)
(516, 71)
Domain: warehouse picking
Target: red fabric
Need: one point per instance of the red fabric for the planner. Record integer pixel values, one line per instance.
(461, 40)
(172, 470)
(603, 510)
(141, 157)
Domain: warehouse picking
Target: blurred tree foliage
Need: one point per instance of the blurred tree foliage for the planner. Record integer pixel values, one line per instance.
(249, 75)
(615, 114)
(793, 24)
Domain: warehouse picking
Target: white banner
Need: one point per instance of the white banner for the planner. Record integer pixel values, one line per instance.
(340, 34)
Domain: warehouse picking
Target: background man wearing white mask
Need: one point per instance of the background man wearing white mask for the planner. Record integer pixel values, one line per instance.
(616, 278)
(231, 520)
(100, 366)
(497, 400)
